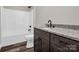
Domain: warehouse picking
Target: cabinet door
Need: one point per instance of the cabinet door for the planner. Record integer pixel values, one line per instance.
(45, 41)
(54, 42)
(57, 45)
(63, 44)
(37, 45)
(37, 41)
(71, 44)
(41, 40)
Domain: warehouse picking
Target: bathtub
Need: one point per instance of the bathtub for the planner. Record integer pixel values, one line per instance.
(5, 41)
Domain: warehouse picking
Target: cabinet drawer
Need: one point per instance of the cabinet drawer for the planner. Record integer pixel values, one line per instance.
(68, 40)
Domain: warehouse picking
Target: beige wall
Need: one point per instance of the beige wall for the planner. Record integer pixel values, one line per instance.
(58, 15)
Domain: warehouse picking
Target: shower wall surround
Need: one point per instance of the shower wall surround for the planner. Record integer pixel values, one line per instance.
(14, 23)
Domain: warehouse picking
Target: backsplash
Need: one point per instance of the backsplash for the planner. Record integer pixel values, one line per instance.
(75, 27)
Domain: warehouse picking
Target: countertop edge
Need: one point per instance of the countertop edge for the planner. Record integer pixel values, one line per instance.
(67, 36)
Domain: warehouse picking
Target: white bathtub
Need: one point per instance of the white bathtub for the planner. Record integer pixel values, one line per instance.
(5, 41)
(9, 40)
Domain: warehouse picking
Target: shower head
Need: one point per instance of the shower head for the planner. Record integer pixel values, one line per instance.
(29, 6)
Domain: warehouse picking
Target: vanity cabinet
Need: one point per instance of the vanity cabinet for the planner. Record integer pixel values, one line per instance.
(52, 42)
(37, 41)
(41, 41)
(63, 44)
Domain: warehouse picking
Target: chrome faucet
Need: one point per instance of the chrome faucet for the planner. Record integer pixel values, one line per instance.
(50, 23)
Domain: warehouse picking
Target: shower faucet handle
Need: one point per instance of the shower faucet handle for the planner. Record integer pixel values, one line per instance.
(30, 26)
(29, 30)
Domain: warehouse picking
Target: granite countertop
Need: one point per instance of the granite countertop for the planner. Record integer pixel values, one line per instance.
(69, 33)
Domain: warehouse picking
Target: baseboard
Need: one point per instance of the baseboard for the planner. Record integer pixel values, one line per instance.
(12, 46)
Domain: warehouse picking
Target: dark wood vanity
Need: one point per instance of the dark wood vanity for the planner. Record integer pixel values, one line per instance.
(51, 42)
(41, 40)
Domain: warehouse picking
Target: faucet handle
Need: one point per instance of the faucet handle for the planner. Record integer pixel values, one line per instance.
(49, 21)
(30, 26)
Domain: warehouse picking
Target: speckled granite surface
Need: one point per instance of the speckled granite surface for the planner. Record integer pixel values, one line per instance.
(69, 33)
(75, 27)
